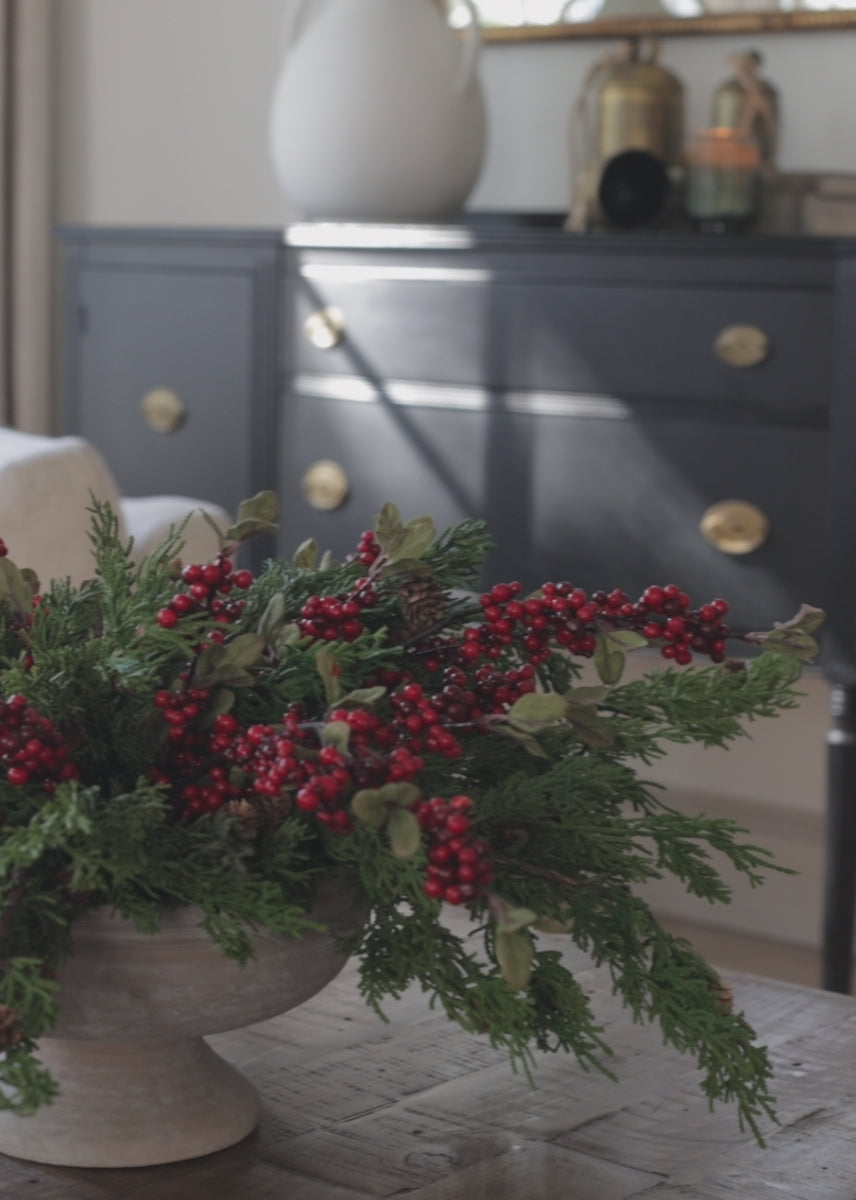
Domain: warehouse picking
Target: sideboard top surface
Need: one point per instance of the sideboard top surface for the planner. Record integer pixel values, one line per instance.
(487, 231)
(490, 244)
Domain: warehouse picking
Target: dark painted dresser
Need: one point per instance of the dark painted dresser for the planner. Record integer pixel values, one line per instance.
(598, 398)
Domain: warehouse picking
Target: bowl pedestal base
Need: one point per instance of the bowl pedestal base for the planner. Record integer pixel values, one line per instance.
(133, 1104)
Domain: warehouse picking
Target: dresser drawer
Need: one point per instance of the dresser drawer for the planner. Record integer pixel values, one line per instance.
(634, 340)
(164, 367)
(601, 503)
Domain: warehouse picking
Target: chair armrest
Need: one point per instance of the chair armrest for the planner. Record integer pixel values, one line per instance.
(148, 520)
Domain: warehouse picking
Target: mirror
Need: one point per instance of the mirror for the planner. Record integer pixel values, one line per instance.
(518, 20)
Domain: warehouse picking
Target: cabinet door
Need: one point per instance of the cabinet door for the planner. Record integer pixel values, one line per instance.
(188, 330)
(601, 503)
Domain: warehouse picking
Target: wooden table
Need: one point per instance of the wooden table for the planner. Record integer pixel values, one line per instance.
(354, 1108)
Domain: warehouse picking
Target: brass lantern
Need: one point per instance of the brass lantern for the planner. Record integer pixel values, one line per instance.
(641, 107)
(623, 160)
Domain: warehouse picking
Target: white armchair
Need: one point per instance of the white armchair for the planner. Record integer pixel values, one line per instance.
(46, 485)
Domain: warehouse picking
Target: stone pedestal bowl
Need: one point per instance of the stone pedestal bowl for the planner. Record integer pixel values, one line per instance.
(138, 1084)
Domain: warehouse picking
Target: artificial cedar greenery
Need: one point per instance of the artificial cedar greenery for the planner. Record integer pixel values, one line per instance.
(184, 747)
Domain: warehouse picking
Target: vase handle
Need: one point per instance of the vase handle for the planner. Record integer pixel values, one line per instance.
(470, 49)
(291, 24)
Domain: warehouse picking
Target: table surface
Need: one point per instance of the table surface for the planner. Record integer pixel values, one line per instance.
(355, 1108)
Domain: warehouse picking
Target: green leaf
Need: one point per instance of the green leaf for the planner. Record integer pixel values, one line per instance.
(627, 639)
(402, 794)
(415, 539)
(229, 664)
(793, 637)
(244, 651)
(289, 635)
(338, 734)
(528, 740)
(412, 567)
(31, 579)
(552, 925)
(405, 835)
(808, 619)
(514, 953)
(610, 650)
(510, 919)
(388, 526)
(796, 643)
(536, 709)
(368, 805)
(329, 670)
(592, 728)
(374, 805)
(364, 697)
(15, 588)
(273, 618)
(587, 695)
(256, 515)
(306, 555)
(221, 701)
(608, 662)
(399, 541)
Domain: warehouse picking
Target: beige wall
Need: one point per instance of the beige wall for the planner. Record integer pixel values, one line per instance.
(162, 116)
(163, 109)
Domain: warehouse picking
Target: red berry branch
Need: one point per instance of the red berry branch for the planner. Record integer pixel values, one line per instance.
(489, 658)
(208, 589)
(32, 749)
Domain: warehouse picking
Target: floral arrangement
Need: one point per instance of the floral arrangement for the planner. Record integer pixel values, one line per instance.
(194, 735)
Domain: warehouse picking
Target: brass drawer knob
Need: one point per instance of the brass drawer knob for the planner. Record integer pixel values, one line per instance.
(325, 484)
(735, 526)
(163, 411)
(742, 345)
(325, 328)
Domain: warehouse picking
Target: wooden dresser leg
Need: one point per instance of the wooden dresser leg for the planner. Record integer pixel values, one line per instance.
(840, 886)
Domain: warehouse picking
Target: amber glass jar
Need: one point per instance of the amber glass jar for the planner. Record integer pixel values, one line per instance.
(722, 180)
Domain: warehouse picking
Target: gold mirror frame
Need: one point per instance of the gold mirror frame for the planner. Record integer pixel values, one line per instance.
(740, 23)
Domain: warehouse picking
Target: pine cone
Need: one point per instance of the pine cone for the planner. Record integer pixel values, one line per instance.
(724, 997)
(246, 813)
(260, 811)
(10, 1031)
(273, 809)
(424, 604)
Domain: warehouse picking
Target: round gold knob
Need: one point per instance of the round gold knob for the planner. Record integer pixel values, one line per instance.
(325, 328)
(325, 484)
(742, 345)
(735, 526)
(163, 411)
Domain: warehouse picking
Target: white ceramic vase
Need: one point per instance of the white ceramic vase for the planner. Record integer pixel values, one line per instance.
(377, 111)
(138, 1084)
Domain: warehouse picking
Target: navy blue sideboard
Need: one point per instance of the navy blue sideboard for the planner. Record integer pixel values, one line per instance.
(593, 396)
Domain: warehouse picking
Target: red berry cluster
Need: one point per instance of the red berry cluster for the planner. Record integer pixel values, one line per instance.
(561, 613)
(428, 719)
(4, 549)
(207, 587)
(181, 709)
(376, 755)
(668, 617)
(31, 747)
(421, 718)
(187, 758)
(368, 548)
(496, 691)
(337, 618)
(568, 616)
(459, 863)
